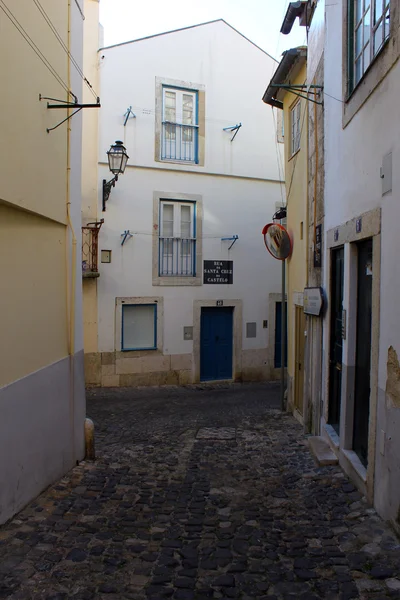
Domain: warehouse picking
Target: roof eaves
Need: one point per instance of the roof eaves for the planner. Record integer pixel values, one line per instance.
(148, 37)
(289, 59)
(295, 9)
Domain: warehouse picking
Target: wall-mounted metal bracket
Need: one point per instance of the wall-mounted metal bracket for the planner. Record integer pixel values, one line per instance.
(232, 239)
(125, 236)
(234, 128)
(107, 187)
(65, 104)
(129, 114)
(296, 88)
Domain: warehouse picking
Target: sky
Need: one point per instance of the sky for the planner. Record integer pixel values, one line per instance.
(259, 20)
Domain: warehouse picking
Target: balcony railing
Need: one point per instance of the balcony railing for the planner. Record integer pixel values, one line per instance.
(177, 257)
(179, 142)
(90, 235)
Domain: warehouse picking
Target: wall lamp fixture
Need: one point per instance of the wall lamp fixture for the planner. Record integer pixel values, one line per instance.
(117, 159)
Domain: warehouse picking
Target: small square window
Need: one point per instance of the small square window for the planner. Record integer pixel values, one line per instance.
(139, 327)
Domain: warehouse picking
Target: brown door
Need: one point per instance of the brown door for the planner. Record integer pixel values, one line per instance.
(300, 324)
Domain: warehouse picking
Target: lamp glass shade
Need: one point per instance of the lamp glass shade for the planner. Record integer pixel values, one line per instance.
(117, 158)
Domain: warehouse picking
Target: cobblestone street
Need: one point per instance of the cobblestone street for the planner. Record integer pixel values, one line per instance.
(198, 493)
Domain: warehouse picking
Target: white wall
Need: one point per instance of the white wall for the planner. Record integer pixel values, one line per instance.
(230, 206)
(240, 200)
(233, 71)
(353, 157)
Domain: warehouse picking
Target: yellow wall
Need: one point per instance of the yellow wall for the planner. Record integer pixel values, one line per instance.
(29, 155)
(89, 165)
(296, 193)
(90, 118)
(90, 315)
(33, 309)
(33, 192)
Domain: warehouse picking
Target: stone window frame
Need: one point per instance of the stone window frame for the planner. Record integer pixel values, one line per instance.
(163, 280)
(119, 302)
(355, 98)
(346, 235)
(199, 88)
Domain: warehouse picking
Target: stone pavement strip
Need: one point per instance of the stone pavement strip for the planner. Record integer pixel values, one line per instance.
(198, 493)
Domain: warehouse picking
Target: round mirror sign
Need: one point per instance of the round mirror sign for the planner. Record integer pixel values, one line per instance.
(277, 241)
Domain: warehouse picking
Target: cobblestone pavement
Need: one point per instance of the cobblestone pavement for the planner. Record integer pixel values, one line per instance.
(198, 493)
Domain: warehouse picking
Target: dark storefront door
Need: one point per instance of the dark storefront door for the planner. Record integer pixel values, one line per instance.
(363, 351)
(336, 340)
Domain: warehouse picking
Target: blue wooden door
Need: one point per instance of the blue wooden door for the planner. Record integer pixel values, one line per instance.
(216, 343)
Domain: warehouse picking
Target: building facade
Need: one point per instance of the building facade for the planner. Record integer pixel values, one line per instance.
(187, 292)
(361, 415)
(292, 71)
(42, 396)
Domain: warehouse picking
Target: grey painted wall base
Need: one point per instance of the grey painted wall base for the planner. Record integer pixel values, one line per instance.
(41, 431)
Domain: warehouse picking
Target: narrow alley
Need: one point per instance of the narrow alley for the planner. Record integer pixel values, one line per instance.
(197, 493)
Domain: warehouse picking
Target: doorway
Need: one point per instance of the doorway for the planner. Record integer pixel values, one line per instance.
(216, 343)
(300, 324)
(336, 338)
(362, 387)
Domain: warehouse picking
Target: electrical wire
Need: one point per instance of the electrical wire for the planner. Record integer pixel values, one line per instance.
(34, 47)
(64, 46)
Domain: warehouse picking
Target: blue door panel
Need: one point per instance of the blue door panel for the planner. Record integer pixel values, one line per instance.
(216, 343)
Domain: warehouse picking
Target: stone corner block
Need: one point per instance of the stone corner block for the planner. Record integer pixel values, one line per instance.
(107, 358)
(181, 362)
(92, 362)
(110, 381)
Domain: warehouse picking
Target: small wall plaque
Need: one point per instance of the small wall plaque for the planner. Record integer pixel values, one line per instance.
(220, 302)
(336, 235)
(358, 225)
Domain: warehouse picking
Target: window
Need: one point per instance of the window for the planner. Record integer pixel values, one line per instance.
(177, 241)
(139, 327)
(295, 128)
(179, 133)
(369, 25)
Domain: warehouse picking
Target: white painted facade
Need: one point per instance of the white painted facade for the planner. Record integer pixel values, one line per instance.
(236, 186)
(358, 135)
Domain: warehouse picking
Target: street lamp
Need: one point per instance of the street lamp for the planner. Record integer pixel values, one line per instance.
(117, 159)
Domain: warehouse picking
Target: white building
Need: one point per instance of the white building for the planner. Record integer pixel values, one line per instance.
(190, 291)
(362, 324)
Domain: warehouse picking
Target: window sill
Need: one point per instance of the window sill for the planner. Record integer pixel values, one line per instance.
(176, 281)
(176, 161)
(138, 349)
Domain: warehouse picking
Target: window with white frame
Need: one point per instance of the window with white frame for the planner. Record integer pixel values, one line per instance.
(139, 327)
(179, 131)
(295, 128)
(177, 240)
(368, 27)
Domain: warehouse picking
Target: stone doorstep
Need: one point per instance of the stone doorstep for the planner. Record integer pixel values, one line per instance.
(322, 452)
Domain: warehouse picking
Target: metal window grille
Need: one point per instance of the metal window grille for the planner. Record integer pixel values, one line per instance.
(179, 142)
(90, 236)
(177, 257)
